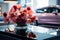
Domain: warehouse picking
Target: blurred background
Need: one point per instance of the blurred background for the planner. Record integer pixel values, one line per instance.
(7, 4)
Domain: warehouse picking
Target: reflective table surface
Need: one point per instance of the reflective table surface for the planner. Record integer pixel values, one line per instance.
(41, 32)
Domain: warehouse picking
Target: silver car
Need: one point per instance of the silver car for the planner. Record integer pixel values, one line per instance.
(48, 15)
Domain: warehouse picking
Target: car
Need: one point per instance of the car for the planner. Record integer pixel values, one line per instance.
(48, 15)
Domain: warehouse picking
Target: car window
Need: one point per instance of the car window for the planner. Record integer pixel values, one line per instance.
(51, 9)
(40, 11)
(56, 10)
(48, 10)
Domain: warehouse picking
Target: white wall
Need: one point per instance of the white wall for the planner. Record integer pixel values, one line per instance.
(52, 2)
(4, 7)
(42, 3)
(1, 0)
(10, 4)
(34, 4)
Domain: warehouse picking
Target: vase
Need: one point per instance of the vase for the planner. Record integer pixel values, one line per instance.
(21, 29)
(21, 24)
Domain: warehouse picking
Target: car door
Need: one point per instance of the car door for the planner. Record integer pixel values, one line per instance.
(48, 16)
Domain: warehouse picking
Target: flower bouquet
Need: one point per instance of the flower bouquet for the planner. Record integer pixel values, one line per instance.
(20, 17)
(15, 15)
(21, 20)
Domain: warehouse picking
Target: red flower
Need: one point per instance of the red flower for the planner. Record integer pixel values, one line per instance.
(5, 14)
(24, 11)
(31, 35)
(12, 15)
(6, 20)
(15, 7)
(28, 8)
(33, 18)
(21, 18)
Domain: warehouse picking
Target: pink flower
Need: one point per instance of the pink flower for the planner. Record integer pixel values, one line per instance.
(5, 14)
(15, 7)
(28, 8)
(21, 18)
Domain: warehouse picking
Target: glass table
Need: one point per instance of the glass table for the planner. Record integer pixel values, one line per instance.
(41, 32)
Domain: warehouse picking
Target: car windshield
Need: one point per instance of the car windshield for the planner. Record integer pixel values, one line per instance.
(48, 10)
